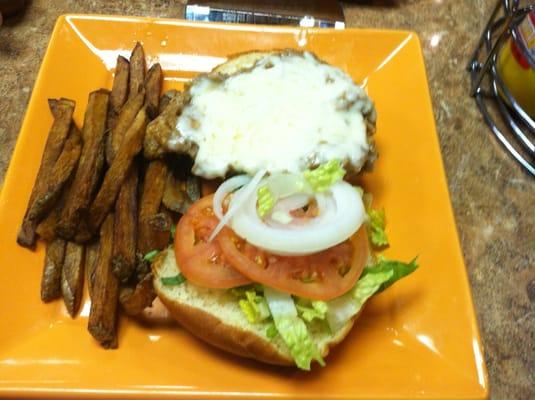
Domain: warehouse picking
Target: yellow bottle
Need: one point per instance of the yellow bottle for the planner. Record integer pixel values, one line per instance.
(514, 68)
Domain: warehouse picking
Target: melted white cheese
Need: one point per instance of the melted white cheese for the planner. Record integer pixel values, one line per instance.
(288, 112)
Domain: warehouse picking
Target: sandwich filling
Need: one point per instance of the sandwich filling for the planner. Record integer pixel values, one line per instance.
(286, 113)
(289, 237)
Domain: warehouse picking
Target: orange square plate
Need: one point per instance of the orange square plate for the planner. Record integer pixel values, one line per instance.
(419, 339)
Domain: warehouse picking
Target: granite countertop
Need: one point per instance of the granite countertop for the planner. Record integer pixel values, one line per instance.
(492, 198)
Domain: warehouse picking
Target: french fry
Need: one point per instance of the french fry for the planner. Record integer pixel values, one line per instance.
(137, 69)
(151, 198)
(102, 323)
(160, 225)
(47, 227)
(175, 196)
(80, 192)
(63, 170)
(153, 87)
(62, 111)
(116, 174)
(143, 268)
(119, 90)
(51, 279)
(72, 277)
(83, 232)
(125, 230)
(125, 227)
(91, 259)
(54, 106)
(193, 187)
(160, 129)
(135, 300)
(124, 121)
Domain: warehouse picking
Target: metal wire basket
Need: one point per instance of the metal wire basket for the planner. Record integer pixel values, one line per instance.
(511, 124)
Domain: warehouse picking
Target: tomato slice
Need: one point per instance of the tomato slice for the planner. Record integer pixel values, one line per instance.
(321, 276)
(201, 262)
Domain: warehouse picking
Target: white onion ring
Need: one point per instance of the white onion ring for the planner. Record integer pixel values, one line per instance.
(238, 201)
(326, 211)
(292, 202)
(341, 215)
(284, 206)
(229, 186)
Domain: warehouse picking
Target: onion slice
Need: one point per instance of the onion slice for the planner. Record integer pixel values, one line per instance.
(293, 202)
(227, 187)
(238, 201)
(341, 213)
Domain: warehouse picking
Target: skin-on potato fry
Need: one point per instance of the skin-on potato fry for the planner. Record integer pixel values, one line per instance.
(175, 197)
(116, 174)
(119, 90)
(159, 228)
(90, 262)
(125, 230)
(151, 198)
(137, 69)
(51, 279)
(81, 189)
(159, 130)
(135, 300)
(54, 106)
(62, 111)
(72, 277)
(102, 323)
(63, 169)
(83, 233)
(124, 121)
(193, 187)
(47, 227)
(153, 87)
(160, 225)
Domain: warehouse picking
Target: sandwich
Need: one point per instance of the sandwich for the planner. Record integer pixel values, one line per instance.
(277, 263)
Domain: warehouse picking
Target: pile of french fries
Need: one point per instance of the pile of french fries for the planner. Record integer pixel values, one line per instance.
(100, 205)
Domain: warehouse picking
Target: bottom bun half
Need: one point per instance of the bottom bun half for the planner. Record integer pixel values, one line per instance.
(214, 316)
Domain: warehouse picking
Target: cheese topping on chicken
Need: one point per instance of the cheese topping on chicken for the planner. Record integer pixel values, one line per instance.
(289, 112)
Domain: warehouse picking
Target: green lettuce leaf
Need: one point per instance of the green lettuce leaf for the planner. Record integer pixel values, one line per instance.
(265, 201)
(294, 332)
(368, 285)
(150, 255)
(271, 331)
(373, 280)
(292, 329)
(377, 228)
(178, 279)
(311, 310)
(254, 306)
(323, 177)
(396, 269)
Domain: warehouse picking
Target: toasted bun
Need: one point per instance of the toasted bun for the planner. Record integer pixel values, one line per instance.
(214, 316)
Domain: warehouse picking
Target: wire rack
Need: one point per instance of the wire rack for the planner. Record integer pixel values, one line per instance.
(511, 125)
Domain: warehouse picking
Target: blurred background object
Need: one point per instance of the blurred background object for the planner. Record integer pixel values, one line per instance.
(320, 13)
(502, 71)
(10, 7)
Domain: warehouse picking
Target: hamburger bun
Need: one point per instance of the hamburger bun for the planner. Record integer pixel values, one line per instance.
(214, 316)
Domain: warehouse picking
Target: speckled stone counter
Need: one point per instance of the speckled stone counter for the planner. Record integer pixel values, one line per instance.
(493, 200)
